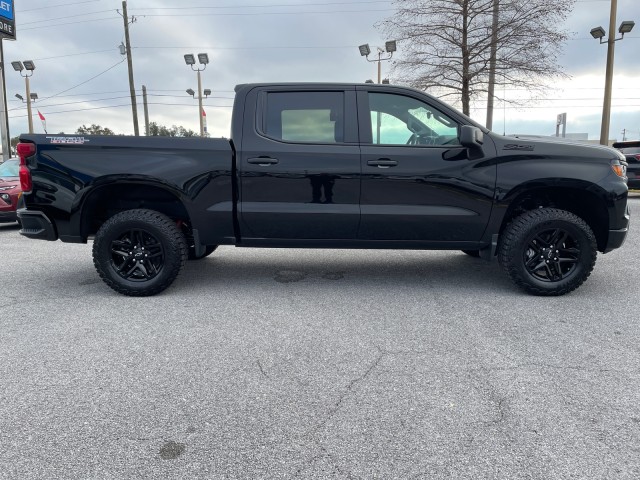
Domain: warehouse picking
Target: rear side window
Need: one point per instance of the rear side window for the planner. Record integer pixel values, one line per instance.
(305, 117)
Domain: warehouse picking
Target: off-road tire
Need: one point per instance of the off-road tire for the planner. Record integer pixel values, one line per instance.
(533, 265)
(145, 245)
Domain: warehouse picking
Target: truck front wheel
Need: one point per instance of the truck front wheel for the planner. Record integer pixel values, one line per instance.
(139, 252)
(548, 251)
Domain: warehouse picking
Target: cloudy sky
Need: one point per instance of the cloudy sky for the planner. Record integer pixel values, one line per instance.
(81, 77)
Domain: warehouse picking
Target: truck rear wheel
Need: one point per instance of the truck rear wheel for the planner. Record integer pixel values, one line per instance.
(139, 252)
(548, 251)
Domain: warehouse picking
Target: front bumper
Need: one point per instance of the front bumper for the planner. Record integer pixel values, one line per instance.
(36, 225)
(9, 216)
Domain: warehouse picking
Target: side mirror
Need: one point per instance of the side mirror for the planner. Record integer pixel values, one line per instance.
(471, 137)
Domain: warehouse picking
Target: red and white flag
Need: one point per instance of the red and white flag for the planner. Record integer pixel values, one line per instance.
(204, 120)
(43, 120)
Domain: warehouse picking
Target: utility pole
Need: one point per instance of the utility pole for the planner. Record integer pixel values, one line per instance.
(4, 117)
(146, 110)
(134, 104)
(492, 64)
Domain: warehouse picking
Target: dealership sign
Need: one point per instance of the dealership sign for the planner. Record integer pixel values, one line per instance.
(7, 19)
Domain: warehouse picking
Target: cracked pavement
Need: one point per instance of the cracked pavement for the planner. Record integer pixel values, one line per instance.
(311, 364)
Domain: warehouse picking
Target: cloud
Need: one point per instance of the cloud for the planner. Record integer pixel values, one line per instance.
(247, 44)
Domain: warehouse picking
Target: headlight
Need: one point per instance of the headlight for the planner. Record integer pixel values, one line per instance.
(10, 187)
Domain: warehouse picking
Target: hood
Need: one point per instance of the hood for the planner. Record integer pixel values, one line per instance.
(9, 182)
(553, 146)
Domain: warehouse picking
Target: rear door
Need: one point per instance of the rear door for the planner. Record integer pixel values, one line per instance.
(418, 182)
(299, 164)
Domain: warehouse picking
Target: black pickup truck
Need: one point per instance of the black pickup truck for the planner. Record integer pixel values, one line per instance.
(328, 166)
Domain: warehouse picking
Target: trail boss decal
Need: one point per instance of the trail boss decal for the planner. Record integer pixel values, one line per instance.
(68, 140)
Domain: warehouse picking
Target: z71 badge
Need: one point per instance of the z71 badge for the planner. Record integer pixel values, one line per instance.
(518, 146)
(68, 140)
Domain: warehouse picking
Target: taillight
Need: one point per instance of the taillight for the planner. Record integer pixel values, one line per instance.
(25, 150)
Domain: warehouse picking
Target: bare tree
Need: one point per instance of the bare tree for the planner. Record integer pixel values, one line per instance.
(446, 44)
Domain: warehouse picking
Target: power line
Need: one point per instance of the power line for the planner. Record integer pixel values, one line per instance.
(69, 23)
(73, 55)
(123, 105)
(70, 103)
(262, 13)
(66, 16)
(86, 81)
(55, 6)
(276, 5)
(262, 47)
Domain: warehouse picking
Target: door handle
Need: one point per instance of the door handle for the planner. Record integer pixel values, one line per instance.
(263, 161)
(382, 163)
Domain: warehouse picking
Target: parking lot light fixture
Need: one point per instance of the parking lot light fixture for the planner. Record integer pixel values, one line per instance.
(626, 26)
(191, 92)
(389, 48)
(364, 50)
(598, 33)
(190, 60)
(19, 97)
(26, 66)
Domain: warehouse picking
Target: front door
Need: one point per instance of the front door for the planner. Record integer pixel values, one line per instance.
(418, 182)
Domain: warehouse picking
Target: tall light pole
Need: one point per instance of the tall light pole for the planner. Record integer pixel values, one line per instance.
(190, 60)
(28, 67)
(365, 51)
(389, 47)
(598, 33)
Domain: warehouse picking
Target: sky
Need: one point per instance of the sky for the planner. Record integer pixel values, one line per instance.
(81, 78)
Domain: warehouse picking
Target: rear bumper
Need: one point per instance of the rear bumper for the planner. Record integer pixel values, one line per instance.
(36, 225)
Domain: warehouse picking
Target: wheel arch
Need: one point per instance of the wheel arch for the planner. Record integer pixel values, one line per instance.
(105, 201)
(584, 199)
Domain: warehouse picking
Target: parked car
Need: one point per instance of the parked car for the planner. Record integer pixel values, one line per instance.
(631, 150)
(10, 191)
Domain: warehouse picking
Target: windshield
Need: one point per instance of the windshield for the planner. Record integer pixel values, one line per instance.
(9, 169)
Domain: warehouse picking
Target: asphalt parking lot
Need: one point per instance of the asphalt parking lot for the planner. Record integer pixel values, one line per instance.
(316, 364)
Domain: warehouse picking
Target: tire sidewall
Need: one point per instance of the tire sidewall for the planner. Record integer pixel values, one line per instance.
(113, 229)
(522, 231)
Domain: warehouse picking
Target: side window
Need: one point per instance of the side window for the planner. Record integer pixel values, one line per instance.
(401, 120)
(308, 117)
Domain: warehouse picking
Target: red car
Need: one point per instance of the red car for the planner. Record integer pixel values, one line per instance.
(10, 191)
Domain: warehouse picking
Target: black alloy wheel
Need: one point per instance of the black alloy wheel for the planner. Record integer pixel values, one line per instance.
(139, 252)
(552, 255)
(547, 251)
(137, 255)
